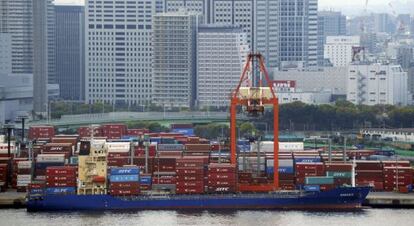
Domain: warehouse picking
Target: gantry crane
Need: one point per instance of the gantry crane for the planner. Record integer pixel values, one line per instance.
(253, 97)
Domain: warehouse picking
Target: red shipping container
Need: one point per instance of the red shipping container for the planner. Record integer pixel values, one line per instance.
(51, 179)
(37, 185)
(36, 132)
(190, 184)
(221, 183)
(118, 161)
(288, 186)
(118, 154)
(125, 185)
(63, 170)
(221, 168)
(368, 165)
(396, 163)
(164, 179)
(122, 192)
(195, 190)
(189, 178)
(338, 167)
(326, 187)
(73, 140)
(61, 184)
(189, 171)
(222, 176)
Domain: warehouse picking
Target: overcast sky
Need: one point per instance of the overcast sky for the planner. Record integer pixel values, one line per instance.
(348, 6)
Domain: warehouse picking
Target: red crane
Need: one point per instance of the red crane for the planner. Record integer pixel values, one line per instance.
(254, 99)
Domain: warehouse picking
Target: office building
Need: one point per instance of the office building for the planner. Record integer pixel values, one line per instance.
(118, 45)
(221, 53)
(70, 51)
(174, 58)
(372, 84)
(6, 54)
(338, 49)
(330, 23)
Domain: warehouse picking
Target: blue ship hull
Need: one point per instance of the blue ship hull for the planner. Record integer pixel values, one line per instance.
(336, 199)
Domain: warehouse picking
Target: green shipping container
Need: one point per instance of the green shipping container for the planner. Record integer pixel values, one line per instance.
(339, 174)
(319, 180)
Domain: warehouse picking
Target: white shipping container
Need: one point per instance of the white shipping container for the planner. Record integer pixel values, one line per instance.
(23, 184)
(282, 162)
(267, 146)
(24, 177)
(24, 164)
(50, 158)
(118, 147)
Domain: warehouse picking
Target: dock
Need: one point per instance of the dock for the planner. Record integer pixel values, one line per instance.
(389, 200)
(12, 199)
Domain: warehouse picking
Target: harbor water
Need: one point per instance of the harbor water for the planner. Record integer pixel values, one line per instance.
(365, 217)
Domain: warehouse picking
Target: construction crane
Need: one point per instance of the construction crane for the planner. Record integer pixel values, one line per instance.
(253, 99)
(400, 23)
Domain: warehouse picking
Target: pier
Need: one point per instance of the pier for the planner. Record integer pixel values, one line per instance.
(389, 200)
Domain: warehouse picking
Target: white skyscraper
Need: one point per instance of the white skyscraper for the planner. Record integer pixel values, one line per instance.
(257, 18)
(377, 84)
(118, 47)
(338, 49)
(221, 53)
(174, 58)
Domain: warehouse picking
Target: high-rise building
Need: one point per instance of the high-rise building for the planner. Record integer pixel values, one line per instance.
(174, 58)
(382, 22)
(5, 56)
(405, 56)
(118, 45)
(40, 56)
(16, 18)
(221, 53)
(257, 18)
(330, 23)
(338, 49)
(70, 51)
(51, 39)
(372, 84)
(298, 33)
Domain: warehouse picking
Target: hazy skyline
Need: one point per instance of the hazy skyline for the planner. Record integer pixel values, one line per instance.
(348, 7)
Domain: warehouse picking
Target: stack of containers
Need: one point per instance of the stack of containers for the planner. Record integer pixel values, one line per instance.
(369, 173)
(139, 151)
(222, 178)
(114, 131)
(170, 150)
(197, 149)
(136, 132)
(341, 172)
(61, 180)
(243, 146)
(118, 153)
(124, 181)
(38, 132)
(24, 176)
(190, 175)
(286, 170)
(397, 172)
(46, 160)
(14, 169)
(319, 183)
(85, 132)
(245, 177)
(145, 181)
(58, 148)
(36, 189)
(359, 154)
(252, 163)
(3, 176)
(308, 169)
(140, 163)
(164, 176)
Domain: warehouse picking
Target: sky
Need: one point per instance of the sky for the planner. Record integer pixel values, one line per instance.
(349, 7)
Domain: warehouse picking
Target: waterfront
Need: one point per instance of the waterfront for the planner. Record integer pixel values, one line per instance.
(365, 217)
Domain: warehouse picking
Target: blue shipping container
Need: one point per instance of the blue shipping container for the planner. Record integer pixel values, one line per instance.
(145, 180)
(317, 159)
(36, 191)
(124, 178)
(243, 147)
(311, 188)
(60, 190)
(282, 169)
(44, 165)
(155, 140)
(125, 171)
(184, 131)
